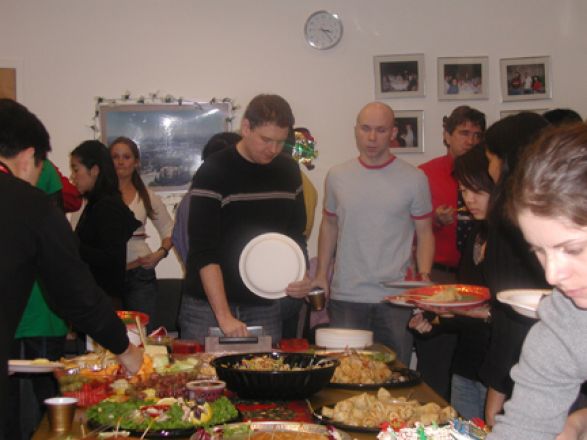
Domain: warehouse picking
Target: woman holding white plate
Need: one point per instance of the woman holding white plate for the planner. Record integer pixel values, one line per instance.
(549, 202)
(468, 392)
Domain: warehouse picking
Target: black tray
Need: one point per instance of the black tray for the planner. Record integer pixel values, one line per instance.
(414, 378)
(162, 433)
(328, 421)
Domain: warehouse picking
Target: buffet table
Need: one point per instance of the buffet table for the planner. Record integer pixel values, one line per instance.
(326, 397)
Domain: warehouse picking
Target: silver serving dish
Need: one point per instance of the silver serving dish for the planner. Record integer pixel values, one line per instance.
(276, 427)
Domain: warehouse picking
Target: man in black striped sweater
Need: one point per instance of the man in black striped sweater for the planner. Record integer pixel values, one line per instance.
(237, 194)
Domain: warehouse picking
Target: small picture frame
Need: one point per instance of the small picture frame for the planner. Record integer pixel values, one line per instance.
(525, 78)
(506, 113)
(399, 76)
(463, 78)
(410, 132)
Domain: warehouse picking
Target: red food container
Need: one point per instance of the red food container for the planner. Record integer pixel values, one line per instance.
(186, 346)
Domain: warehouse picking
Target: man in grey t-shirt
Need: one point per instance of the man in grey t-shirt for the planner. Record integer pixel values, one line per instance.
(373, 207)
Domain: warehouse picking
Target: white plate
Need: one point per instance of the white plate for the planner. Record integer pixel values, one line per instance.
(405, 284)
(343, 338)
(28, 366)
(269, 262)
(523, 301)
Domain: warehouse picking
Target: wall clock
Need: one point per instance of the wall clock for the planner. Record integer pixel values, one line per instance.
(323, 30)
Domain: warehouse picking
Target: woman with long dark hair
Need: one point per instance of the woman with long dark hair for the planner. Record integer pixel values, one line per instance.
(509, 261)
(470, 326)
(106, 224)
(141, 281)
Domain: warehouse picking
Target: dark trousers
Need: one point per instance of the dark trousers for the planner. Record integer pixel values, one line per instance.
(435, 353)
(290, 315)
(27, 392)
(140, 293)
(435, 360)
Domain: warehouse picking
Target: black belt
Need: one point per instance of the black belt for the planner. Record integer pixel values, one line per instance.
(444, 268)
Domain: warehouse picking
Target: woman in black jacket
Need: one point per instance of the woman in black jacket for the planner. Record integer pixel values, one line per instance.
(509, 262)
(106, 224)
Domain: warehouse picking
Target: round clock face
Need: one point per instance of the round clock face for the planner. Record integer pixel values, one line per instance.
(323, 30)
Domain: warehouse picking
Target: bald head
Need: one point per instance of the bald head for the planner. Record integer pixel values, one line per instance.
(378, 109)
(374, 132)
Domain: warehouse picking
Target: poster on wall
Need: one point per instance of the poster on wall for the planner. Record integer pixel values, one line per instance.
(170, 137)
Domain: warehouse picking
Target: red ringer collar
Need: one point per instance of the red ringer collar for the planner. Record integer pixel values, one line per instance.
(4, 169)
(376, 167)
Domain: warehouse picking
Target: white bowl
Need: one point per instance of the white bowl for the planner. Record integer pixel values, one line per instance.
(343, 338)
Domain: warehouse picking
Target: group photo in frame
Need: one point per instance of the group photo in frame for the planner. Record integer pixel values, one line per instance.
(463, 78)
(399, 76)
(171, 137)
(525, 78)
(410, 132)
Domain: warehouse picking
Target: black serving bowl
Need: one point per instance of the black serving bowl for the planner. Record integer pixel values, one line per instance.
(281, 385)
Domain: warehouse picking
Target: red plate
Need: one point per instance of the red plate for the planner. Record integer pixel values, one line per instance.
(129, 317)
(470, 296)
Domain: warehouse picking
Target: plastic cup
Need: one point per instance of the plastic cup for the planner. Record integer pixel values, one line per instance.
(208, 390)
(165, 340)
(60, 412)
(317, 299)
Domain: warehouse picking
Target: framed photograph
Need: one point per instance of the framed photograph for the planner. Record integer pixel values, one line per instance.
(506, 113)
(525, 78)
(170, 136)
(410, 132)
(399, 76)
(463, 78)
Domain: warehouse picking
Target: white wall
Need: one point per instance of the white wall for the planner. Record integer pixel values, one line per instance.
(70, 51)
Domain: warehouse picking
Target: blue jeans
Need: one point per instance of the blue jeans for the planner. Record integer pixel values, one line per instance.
(388, 323)
(140, 291)
(196, 317)
(468, 397)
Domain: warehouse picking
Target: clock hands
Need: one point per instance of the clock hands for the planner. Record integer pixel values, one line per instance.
(327, 32)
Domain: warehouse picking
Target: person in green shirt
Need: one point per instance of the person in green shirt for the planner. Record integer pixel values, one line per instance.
(40, 334)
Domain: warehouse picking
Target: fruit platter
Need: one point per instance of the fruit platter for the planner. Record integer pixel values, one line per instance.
(94, 377)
